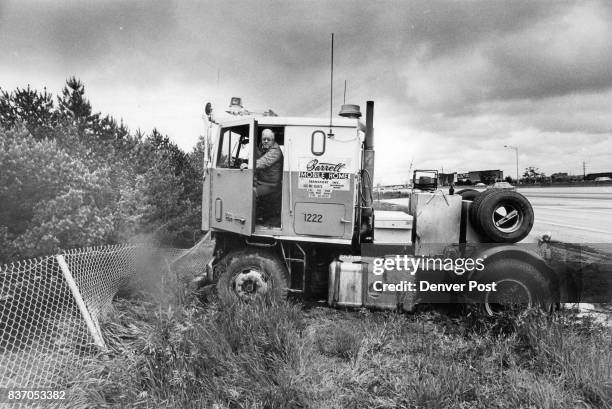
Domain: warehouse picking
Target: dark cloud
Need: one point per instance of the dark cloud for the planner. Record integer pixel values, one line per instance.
(565, 52)
(77, 30)
(585, 113)
(544, 63)
(281, 46)
(457, 25)
(374, 40)
(274, 42)
(460, 74)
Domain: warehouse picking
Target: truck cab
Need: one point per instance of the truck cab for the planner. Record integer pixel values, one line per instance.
(317, 196)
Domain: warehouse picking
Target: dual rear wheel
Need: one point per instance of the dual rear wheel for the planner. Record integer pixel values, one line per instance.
(517, 285)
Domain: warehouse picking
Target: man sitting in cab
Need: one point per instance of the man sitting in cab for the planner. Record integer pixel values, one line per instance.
(268, 167)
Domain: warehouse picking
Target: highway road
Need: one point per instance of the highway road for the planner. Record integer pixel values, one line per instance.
(570, 214)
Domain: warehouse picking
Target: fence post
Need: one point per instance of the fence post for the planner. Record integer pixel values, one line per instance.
(95, 333)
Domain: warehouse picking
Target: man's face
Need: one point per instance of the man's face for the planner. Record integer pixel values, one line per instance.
(267, 139)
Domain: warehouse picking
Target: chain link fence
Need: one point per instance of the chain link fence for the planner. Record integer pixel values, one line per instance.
(51, 307)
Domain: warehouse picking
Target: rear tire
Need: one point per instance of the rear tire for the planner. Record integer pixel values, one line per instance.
(467, 194)
(519, 285)
(251, 274)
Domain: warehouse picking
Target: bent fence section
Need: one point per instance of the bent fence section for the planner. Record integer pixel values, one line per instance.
(51, 308)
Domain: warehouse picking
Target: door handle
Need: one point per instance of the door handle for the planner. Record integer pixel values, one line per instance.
(231, 218)
(344, 221)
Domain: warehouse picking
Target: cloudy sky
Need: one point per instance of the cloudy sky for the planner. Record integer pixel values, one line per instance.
(453, 81)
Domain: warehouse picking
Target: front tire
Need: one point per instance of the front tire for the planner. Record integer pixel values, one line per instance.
(251, 274)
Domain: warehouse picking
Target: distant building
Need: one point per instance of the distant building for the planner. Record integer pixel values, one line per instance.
(474, 176)
(462, 178)
(485, 176)
(560, 177)
(593, 176)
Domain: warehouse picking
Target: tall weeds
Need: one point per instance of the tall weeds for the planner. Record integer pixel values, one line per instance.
(269, 354)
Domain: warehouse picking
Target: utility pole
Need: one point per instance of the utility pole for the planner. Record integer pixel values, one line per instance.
(517, 155)
(583, 170)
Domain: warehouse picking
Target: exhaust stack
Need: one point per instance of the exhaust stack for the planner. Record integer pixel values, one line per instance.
(367, 183)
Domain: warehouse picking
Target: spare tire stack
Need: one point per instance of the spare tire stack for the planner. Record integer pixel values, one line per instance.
(502, 216)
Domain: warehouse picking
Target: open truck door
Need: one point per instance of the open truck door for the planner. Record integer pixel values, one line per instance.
(232, 197)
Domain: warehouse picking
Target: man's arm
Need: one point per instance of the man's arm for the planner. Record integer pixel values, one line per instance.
(269, 158)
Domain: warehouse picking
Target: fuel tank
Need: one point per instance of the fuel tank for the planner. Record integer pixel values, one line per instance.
(353, 283)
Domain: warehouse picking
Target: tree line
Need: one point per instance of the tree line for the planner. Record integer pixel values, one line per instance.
(71, 177)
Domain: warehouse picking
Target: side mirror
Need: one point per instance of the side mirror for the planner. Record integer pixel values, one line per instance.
(208, 109)
(426, 180)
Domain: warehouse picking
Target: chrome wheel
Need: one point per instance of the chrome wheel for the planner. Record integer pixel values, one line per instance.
(250, 283)
(250, 274)
(507, 218)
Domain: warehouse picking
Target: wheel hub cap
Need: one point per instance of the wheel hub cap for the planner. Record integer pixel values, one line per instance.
(507, 219)
(250, 283)
(510, 295)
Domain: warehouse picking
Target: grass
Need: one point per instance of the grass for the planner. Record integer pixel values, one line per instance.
(282, 355)
(168, 349)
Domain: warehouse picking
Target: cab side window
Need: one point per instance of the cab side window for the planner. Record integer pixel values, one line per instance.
(234, 147)
(224, 144)
(317, 143)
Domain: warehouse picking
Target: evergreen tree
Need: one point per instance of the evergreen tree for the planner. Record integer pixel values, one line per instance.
(193, 178)
(75, 109)
(49, 199)
(168, 149)
(34, 109)
(107, 129)
(70, 177)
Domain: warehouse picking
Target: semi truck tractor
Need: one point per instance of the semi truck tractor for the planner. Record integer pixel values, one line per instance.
(319, 233)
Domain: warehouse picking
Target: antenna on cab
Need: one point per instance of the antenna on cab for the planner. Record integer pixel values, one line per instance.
(331, 88)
